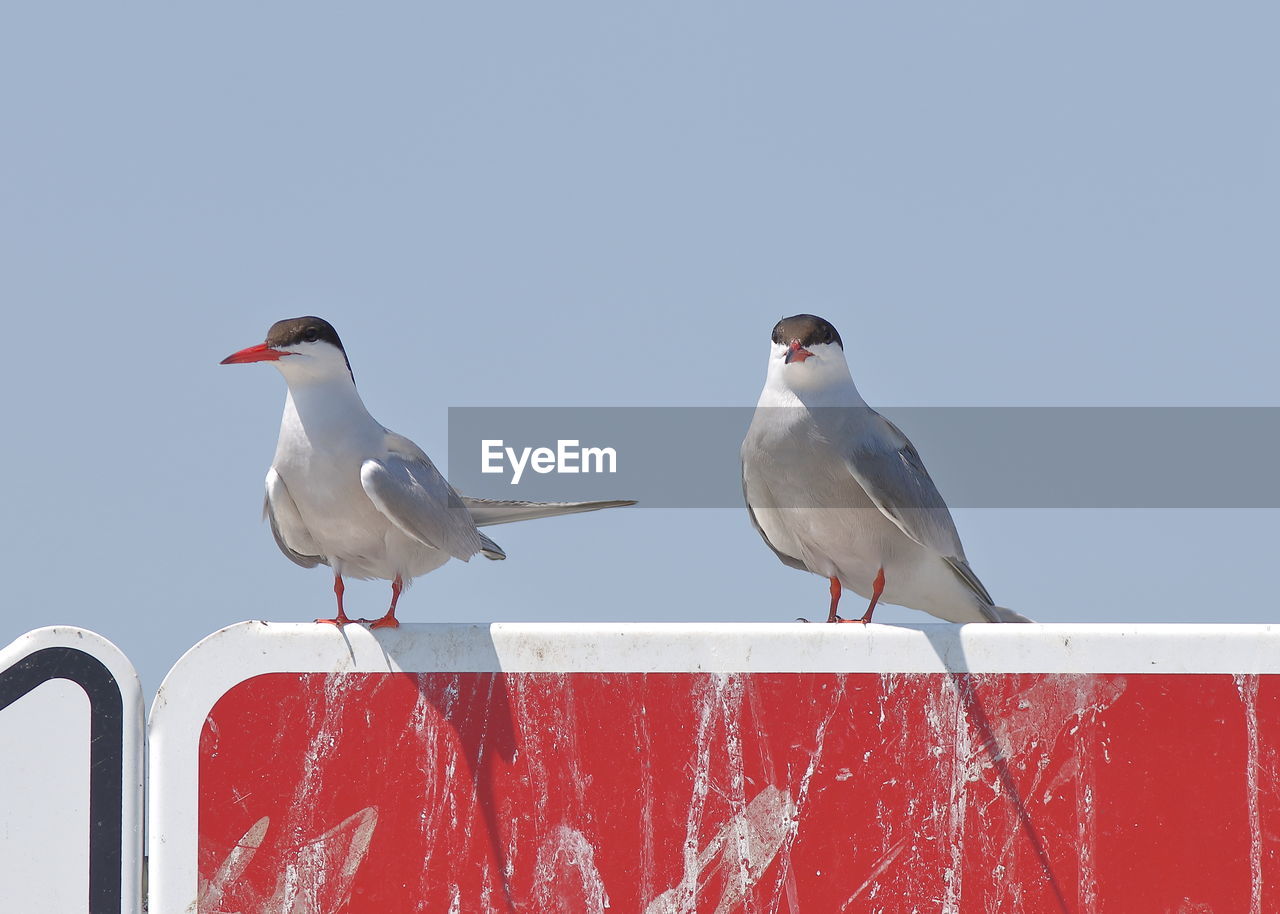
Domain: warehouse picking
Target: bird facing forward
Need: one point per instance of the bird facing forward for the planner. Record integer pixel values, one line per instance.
(836, 489)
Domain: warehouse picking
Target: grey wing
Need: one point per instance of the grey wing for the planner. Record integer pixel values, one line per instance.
(291, 534)
(788, 560)
(890, 471)
(487, 512)
(414, 496)
(887, 466)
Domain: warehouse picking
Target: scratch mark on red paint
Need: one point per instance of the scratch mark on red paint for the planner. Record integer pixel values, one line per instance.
(319, 876)
(881, 865)
(786, 878)
(644, 747)
(1248, 689)
(566, 874)
(315, 879)
(211, 894)
(684, 895)
(949, 719)
(757, 833)
(1029, 728)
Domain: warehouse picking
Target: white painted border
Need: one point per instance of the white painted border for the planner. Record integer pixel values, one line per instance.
(131, 699)
(240, 652)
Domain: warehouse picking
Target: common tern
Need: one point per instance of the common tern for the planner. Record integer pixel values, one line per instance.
(836, 489)
(346, 492)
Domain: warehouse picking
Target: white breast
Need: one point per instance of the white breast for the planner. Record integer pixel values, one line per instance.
(319, 455)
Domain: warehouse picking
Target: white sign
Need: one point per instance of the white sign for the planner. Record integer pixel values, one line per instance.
(71, 732)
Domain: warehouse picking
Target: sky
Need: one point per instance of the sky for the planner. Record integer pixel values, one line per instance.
(584, 204)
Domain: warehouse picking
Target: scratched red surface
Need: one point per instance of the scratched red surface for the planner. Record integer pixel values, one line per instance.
(664, 793)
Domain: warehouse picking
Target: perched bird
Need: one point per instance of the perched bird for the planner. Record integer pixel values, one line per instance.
(345, 492)
(835, 488)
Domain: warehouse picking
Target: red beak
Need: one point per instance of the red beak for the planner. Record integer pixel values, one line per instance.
(259, 353)
(795, 353)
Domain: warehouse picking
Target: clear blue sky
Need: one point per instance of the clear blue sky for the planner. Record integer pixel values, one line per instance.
(578, 203)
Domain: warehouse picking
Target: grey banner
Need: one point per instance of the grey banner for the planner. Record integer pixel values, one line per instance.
(979, 457)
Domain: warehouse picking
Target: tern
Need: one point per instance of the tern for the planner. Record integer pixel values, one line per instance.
(836, 489)
(346, 492)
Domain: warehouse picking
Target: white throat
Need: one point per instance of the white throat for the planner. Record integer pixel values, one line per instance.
(323, 403)
(822, 379)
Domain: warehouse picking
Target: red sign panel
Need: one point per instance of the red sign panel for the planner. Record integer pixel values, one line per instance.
(822, 793)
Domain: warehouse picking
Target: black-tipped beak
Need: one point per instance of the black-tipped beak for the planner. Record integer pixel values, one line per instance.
(796, 353)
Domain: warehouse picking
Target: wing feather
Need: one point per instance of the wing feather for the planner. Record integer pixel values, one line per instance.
(888, 467)
(788, 560)
(890, 471)
(414, 496)
(291, 534)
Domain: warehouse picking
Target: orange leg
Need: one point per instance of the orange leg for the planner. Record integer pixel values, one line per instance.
(877, 589)
(341, 619)
(389, 620)
(835, 601)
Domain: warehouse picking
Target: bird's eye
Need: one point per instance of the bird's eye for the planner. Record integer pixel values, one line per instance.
(311, 334)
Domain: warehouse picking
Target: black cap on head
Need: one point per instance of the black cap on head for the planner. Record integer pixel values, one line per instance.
(297, 330)
(808, 329)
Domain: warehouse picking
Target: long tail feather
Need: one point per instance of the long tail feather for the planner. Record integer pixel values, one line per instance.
(487, 512)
